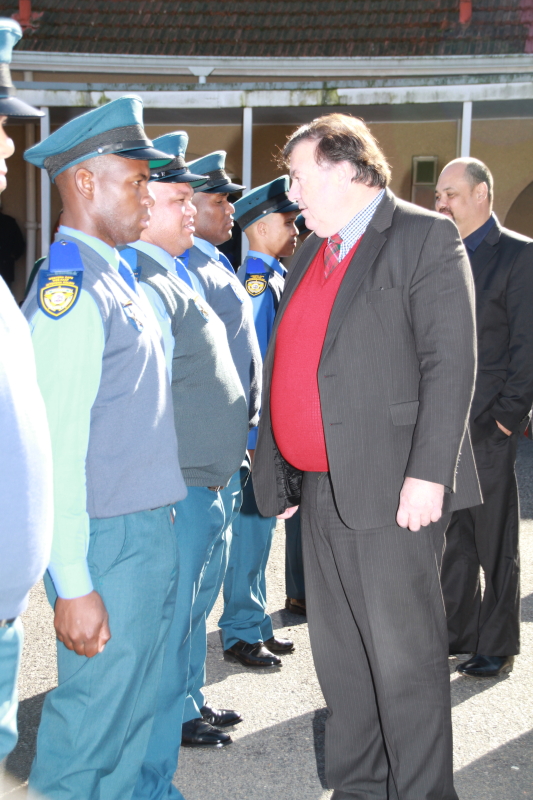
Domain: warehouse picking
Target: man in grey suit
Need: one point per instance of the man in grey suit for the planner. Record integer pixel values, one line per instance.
(367, 387)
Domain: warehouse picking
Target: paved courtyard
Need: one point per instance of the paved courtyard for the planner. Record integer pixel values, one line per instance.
(278, 749)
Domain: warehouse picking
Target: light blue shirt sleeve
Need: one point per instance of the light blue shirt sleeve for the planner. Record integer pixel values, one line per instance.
(164, 322)
(68, 355)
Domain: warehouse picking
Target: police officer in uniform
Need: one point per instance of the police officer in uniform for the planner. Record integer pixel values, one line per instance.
(26, 499)
(227, 297)
(211, 418)
(101, 369)
(268, 216)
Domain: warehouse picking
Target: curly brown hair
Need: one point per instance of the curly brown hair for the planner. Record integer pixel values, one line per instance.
(341, 137)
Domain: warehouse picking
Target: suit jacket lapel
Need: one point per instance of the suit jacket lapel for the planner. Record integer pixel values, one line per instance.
(373, 240)
(303, 259)
(366, 254)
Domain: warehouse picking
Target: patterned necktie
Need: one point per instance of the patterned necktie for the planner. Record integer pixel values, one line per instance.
(331, 254)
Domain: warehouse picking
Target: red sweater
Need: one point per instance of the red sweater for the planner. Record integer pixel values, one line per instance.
(294, 397)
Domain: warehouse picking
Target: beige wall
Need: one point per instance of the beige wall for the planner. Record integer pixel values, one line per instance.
(506, 147)
(403, 140)
(204, 139)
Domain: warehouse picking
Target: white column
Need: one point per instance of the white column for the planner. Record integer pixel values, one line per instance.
(247, 127)
(466, 129)
(45, 191)
(31, 204)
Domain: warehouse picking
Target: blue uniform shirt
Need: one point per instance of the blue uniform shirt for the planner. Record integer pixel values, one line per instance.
(265, 293)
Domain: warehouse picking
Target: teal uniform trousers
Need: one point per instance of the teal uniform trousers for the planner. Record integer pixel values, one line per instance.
(96, 724)
(244, 617)
(11, 639)
(200, 524)
(213, 577)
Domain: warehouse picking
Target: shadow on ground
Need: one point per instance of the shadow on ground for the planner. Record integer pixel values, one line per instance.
(495, 777)
(257, 763)
(19, 762)
(527, 608)
(463, 688)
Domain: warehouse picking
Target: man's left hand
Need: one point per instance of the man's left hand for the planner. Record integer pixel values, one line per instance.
(500, 426)
(420, 503)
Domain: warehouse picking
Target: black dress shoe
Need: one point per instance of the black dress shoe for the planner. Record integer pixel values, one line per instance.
(220, 716)
(252, 655)
(199, 733)
(279, 645)
(296, 606)
(486, 666)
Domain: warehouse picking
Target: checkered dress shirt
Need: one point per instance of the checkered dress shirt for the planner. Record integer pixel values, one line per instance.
(357, 225)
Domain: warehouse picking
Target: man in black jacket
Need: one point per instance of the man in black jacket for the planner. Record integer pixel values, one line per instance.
(487, 535)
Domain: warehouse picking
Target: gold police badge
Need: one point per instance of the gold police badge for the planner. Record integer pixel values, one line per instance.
(58, 294)
(256, 285)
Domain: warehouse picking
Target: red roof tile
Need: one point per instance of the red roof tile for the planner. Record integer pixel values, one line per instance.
(279, 27)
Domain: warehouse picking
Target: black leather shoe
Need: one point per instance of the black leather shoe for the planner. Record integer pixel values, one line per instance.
(199, 733)
(295, 606)
(252, 655)
(486, 666)
(279, 645)
(220, 716)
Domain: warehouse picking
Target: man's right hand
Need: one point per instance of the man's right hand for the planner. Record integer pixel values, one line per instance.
(82, 624)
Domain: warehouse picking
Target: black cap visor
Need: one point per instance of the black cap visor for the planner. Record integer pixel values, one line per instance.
(280, 204)
(227, 188)
(177, 176)
(286, 208)
(15, 107)
(146, 154)
(219, 182)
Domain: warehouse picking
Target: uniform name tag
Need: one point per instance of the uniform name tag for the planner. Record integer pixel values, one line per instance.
(198, 302)
(131, 314)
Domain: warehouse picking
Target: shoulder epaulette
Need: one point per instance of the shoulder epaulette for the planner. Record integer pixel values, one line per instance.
(59, 286)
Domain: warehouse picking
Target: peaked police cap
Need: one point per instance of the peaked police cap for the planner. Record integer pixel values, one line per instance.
(113, 129)
(218, 181)
(10, 105)
(175, 145)
(271, 198)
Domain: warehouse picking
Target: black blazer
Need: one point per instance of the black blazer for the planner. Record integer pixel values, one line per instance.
(396, 374)
(502, 266)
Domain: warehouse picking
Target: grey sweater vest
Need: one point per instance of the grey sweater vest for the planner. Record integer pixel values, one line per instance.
(226, 295)
(132, 458)
(210, 411)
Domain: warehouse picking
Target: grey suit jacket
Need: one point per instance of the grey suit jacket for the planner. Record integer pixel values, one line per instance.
(396, 374)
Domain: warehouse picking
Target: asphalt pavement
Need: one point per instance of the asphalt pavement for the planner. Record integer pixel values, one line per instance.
(278, 750)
